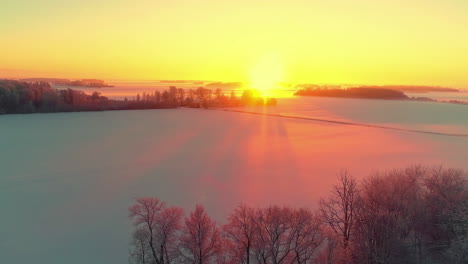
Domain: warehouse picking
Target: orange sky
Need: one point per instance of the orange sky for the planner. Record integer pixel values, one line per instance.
(336, 41)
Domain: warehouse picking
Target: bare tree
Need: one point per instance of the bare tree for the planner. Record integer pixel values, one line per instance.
(338, 211)
(140, 252)
(200, 242)
(327, 253)
(273, 235)
(389, 227)
(274, 239)
(240, 231)
(447, 200)
(157, 225)
(169, 223)
(306, 234)
(144, 212)
(458, 250)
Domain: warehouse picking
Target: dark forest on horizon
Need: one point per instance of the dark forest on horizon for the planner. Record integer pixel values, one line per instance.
(377, 92)
(366, 93)
(40, 97)
(92, 83)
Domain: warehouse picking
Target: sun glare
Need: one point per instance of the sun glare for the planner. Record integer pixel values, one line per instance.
(266, 74)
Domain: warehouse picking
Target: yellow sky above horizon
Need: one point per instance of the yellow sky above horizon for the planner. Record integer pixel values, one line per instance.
(336, 41)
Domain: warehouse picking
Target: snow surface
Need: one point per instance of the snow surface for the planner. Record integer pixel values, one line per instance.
(67, 179)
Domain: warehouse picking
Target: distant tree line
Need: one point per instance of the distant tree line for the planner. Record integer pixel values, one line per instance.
(205, 98)
(40, 97)
(412, 215)
(402, 88)
(359, 92)
(413, 88)
(65, 82)
(22, 97)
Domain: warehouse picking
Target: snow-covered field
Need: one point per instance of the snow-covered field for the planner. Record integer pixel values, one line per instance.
(67, 179)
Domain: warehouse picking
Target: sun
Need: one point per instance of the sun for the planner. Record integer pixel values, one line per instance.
(266, 74)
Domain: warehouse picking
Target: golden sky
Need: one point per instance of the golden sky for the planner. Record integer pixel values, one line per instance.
(333, 41)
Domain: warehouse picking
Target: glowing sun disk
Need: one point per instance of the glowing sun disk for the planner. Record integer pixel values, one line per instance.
(265, 75)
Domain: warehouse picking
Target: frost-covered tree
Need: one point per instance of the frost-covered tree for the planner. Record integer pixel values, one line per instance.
(201, 241)
(162, 225)
(339, 209)
(240, 232)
